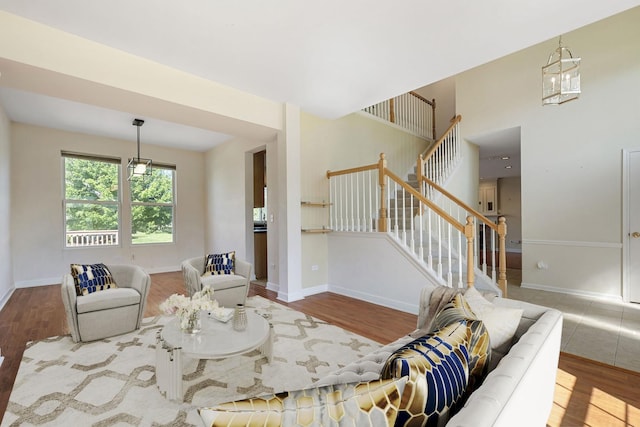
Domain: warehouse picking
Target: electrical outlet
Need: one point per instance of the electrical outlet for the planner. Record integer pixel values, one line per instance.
(315, 267)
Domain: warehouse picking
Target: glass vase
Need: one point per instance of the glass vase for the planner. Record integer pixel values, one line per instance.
(240, 318)
(193, 324)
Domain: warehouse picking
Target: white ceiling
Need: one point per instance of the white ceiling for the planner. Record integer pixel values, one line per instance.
(330, 57)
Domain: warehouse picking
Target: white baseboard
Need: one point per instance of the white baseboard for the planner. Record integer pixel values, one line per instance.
(575, 292)
(273, 286)
(315, 290)
(162, 269)
(5, 297)
(39, 282)
(375, 299)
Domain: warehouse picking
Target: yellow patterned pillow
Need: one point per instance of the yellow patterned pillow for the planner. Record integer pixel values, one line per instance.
(363, 404)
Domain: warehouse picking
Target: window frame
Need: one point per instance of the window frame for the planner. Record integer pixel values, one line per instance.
(65, 201)
(172, 205)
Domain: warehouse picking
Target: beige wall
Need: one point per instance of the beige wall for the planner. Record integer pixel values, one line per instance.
(6, 275)
(444, 92)
(229, 200)
(351, 141)
(37, 222)
(463, 182)
(571, 154)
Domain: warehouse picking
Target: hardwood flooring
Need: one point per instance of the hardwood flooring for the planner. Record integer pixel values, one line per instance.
(587, 393)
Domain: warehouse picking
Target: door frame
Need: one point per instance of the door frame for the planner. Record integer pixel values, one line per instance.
(626, 223)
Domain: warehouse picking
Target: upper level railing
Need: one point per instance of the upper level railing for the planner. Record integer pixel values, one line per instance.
(442, 235)
(440, 159)
(410, 111)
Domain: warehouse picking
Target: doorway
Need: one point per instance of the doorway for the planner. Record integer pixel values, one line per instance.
(631, 226)
(260, 214)
(499, 189)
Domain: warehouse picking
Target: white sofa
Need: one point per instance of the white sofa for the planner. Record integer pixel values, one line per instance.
(517, 392)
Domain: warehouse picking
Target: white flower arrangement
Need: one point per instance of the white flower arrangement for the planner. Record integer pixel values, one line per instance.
(187, 309)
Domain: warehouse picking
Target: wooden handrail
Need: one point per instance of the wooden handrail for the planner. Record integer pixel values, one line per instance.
(451, 220)
(459, 202)
(422, 98)
(429, 152)
(352, 170)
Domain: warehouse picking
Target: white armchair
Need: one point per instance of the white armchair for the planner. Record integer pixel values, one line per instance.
(108, 312)
(228, 289)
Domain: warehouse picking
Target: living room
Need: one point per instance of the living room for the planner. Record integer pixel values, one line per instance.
(580, 241)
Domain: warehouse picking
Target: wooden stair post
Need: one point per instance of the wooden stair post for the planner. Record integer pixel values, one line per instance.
(502, 255)
(469, 234)
(382, 218)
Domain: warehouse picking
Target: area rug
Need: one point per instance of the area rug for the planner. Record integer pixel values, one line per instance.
(112, 381)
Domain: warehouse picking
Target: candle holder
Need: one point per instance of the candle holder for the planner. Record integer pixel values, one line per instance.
(240, 318)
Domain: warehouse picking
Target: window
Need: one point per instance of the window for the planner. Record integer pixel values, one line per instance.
(91, 200)
(152, 206)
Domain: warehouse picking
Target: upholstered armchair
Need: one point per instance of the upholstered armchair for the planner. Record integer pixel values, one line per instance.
(228, 289)
(109, 312)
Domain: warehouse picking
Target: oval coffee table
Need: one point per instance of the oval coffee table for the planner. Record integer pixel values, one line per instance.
(216, 340)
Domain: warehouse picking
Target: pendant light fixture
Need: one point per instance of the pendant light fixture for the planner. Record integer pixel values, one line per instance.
(560, 77)
(138, 167)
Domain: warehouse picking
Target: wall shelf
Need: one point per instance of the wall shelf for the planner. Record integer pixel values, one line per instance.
(316, 230)
(315, 204)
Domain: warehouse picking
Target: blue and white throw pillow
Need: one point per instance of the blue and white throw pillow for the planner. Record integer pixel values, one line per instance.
(90, 278)
(442, 367)
(223, 263)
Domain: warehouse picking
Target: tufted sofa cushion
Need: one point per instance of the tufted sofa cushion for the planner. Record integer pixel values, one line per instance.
(366, 369)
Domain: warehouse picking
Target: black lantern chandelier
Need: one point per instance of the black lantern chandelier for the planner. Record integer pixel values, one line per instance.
(138, 167)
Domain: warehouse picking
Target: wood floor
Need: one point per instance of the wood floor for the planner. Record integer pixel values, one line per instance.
(587, 393)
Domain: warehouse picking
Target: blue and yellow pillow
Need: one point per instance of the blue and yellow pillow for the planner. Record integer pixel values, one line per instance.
(362, 404)
(443, 367)
(223, 263)
(90, 278)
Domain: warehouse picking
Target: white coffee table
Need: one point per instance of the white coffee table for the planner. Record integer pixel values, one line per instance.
(216, 340)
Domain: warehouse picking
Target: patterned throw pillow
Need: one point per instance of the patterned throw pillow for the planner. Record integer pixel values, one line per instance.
(90, 278)
(443, 368)
(220, 264)
(456, 309)
(362, 404)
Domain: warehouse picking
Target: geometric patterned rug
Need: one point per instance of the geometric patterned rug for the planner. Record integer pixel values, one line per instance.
(112, 381)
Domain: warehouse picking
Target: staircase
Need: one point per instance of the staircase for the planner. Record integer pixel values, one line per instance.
(429, 223)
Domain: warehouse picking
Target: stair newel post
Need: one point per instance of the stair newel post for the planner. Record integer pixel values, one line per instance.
(502, 255)
(382, 218)
(392, 110)
(433, 119)
(419, 174)
(469, 232)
